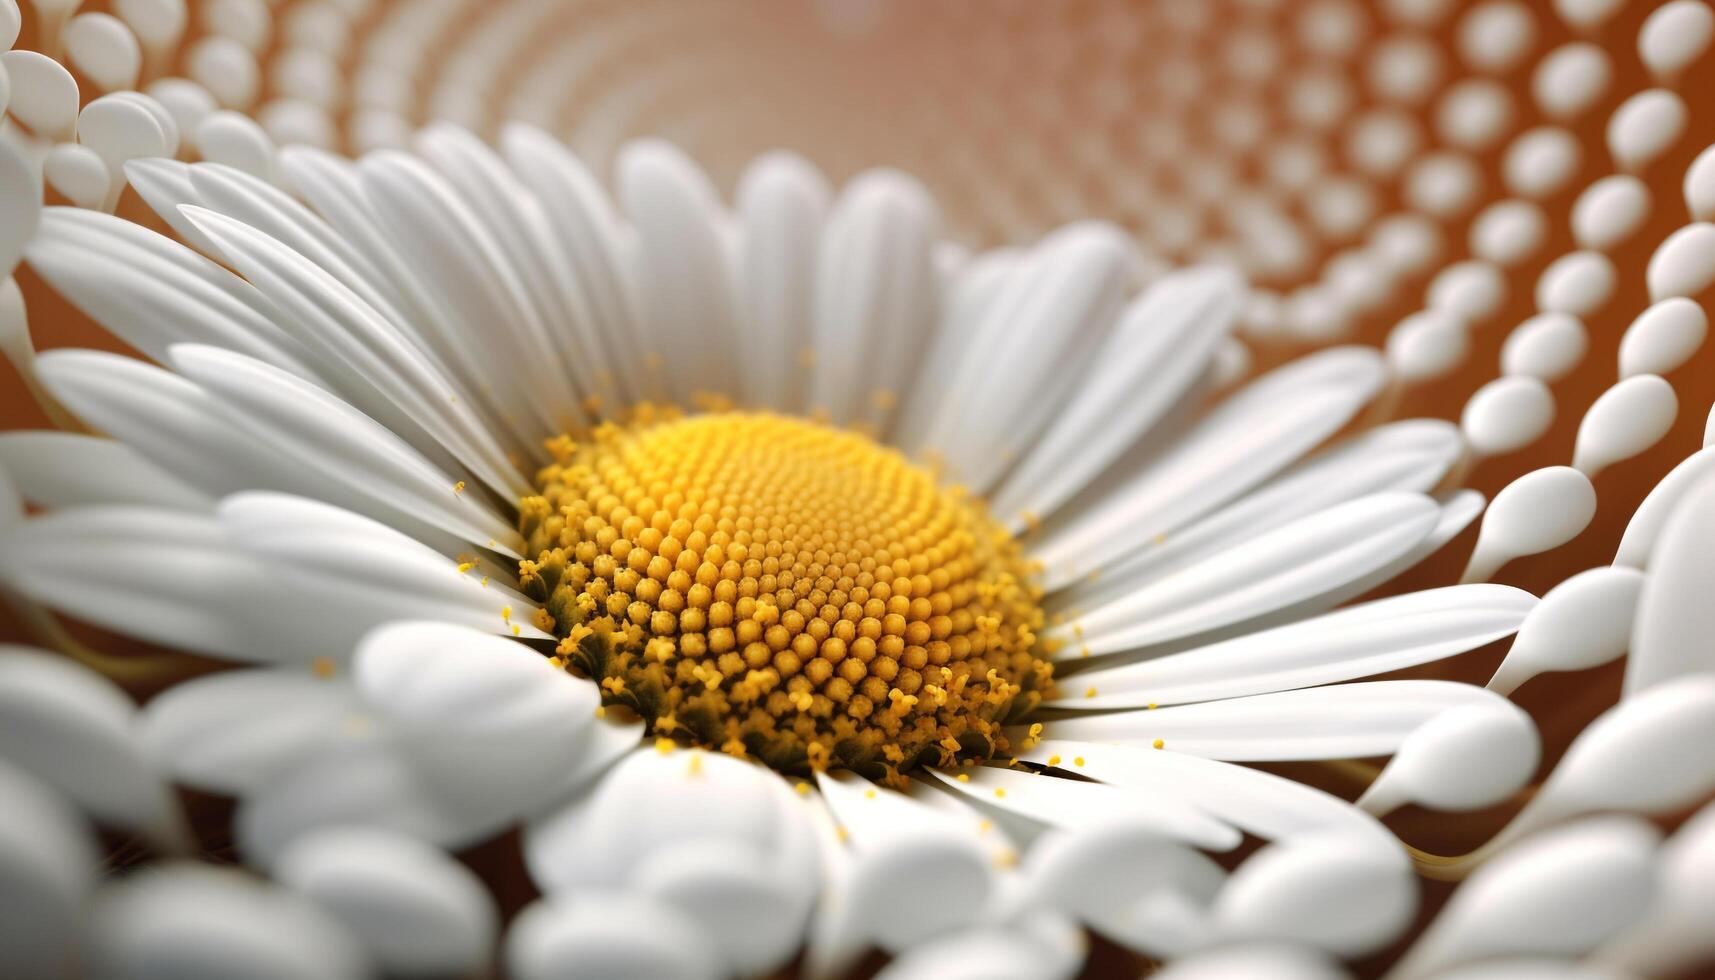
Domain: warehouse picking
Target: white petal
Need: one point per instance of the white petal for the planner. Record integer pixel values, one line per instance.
(363, 777)
(164, 183)
(317, 431)
(1372, 638)
(152, 292)
(1562, 893)
(1408, 456)
(397, 381)
(1652, 753)
(1263, 961)
(687, 286)
(997, 953)
(461, 270)
(77, 731)
(237, 731)
(355, 567)
(643, 825)
(64, 469)
(1319, 891)
(1643, 531)
(1247, 439)
(1077, 804)
(1342, 721)
(164, 418)
(1465, 758)
(487, 719)
(1127, 882)
(917, 872)
(782, 200)
(47, 870)
(418, 912)
(20, 202)
(1674, 616)
(613, 935)
(197, 922)
(1583, 622)
(1156, 352)
(1254, 801)
(876, 292)
(1271, 571)
(1035, 337)
(554, 327)
(169, 577)
(1675, 936)
(1537, 512)
(1631, 416)
(593, 237)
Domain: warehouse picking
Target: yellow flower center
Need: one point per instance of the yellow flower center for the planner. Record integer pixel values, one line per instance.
(774, 587)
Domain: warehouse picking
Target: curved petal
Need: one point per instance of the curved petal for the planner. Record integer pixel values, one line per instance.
(65, 469)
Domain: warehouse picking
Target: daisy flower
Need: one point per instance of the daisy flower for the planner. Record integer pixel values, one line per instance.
(942, 541)
(556, 562)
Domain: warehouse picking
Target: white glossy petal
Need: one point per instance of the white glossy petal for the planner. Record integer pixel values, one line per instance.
(1260, 961)
(1537, 512)
(686, 283)
(1671, 724)
(1254, 434)
(1645, 126)
(1699, 186)
(1546, 346)
(782, 202)
(1263, 574)
(1507, 414)
(394, 380)
(1007, 952)
(77, 731)
(335, 441)
(1644, 529)
(1343, 721)
(917, 872)
(1663, 337)
(415, 910)
(1074, 804)
(1675, 936)
(1684, 264)
(475, 711)
(1674, 616)
(1407, 456)
(1579, 283)
(152, 292)
(48, 863)
(1427, 345)
(1560, 894)
(609, 934)
(1675, 35)
(1372, 638)
(1254, 801)
(1066, 300)
(1628, 418)
(1584, 622)
(20, 200)
(1610, 211)
(875, 299)
(1320, 891)
(237, 731)
(63, 469)
(723, 840)
(1160, 346)
(1465, 758)
(198, 922)
(366, 572)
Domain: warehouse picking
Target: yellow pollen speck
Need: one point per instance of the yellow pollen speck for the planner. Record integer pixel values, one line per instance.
(1053, 760)
(1151, 707)
(458, 487)
(696, 765)
(323, 667)
(1158, 743)
(665, 745)
(964, 777)
(784, 590)
(985, 826)
(1077, 760)
(869, 794)
(999, 793)
(1006, 859)
(465, 566)
(1090, 692)
(601, 711)
(802, 789)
